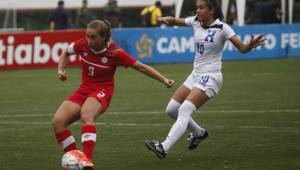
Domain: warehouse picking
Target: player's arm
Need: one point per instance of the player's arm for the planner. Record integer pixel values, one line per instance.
(244, 48)
(172, 21)
(62, 63)
(151, 72)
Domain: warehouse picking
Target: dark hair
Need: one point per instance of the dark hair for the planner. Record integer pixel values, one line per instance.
(216, 5)
(60, 3)
(158, 4)
(103, 27)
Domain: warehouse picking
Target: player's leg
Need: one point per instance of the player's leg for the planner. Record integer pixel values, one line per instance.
(211, 84)
(172, 108)
(194, 100)
(67, 113)
(90, 110)
(97, 103)
(179, 96)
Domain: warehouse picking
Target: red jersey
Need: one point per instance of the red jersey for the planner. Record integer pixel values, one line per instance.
(98, 68)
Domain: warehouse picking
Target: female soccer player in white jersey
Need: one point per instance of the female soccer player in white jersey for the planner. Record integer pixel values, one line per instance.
(205, 81)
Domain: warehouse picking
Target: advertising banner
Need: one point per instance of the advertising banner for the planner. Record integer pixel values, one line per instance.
(148, 45)
(35, 49)
(171, 45)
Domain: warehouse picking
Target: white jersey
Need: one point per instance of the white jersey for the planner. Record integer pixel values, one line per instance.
(209, 44)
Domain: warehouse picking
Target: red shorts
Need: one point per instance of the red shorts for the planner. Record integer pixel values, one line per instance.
(101, 93)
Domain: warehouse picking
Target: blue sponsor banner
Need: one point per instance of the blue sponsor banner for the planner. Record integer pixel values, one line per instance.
(172, 45)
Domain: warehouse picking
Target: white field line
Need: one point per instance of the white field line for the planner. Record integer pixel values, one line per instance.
(161, 112)
(149, 125)
(77, 123)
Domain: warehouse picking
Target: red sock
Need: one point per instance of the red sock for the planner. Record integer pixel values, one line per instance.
(88, 139)
(66, 140)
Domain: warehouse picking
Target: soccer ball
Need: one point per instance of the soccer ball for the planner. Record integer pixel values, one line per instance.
(73, 160)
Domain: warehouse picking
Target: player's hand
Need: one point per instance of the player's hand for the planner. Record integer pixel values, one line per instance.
(169, 83)
(257, 41)
(62, 75)
(166, 20)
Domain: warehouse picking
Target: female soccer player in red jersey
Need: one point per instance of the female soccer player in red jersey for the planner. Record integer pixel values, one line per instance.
(99, 60)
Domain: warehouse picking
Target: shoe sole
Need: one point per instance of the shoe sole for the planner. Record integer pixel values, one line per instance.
(151, 148)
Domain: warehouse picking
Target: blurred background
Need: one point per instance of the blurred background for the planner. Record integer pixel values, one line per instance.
(35, 15)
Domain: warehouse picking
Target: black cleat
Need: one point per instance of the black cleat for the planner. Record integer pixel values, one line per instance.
(194, 141)
(157, 148)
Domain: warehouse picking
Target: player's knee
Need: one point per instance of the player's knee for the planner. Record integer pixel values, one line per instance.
(172, 112)
(186, 109)
(56, 122)
(87, 117)
(172, 109)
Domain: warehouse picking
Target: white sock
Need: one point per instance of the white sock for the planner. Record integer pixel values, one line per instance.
(172, 111)
(184, 114)
(172, 108)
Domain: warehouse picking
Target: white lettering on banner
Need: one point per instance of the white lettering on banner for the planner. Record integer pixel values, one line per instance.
(291, 40)
(38, 48)
(2, 49)
(175, 44)
(284, 40)
(294, 40)
(10, 50)
(187, 44)
(56, 48)
(31, 53)
(160, 43)
(26, 50)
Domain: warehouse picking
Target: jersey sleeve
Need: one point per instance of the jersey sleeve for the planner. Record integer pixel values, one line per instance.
(73, 47)
(189, 20)
(124, 59)
(228, 31)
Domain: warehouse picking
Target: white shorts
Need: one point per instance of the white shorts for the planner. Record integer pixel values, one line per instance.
(210, 83)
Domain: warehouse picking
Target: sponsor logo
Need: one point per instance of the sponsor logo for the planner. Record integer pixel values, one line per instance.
(86, 135)
(144, 46)
(104, 60)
